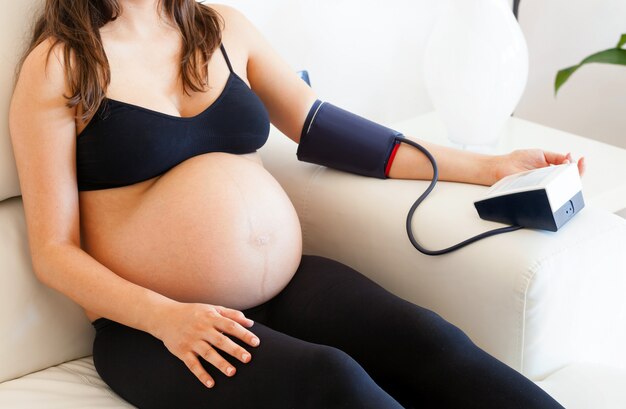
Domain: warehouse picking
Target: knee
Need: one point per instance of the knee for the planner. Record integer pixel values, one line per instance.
(447, 340)
(337, 380)
(334, 367)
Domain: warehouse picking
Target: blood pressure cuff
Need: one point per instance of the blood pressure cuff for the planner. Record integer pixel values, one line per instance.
(338, 139)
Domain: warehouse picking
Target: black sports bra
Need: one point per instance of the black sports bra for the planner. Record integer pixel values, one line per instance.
(124, 143)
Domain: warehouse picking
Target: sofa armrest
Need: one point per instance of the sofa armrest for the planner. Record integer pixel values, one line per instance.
(39, 327)
(536, 300)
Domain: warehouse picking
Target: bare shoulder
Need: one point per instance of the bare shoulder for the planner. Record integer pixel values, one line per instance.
(236, 25)
(44, 69)
(39, 98)
(227, 12)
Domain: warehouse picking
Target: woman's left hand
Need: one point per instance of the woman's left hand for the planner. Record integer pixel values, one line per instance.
(529, 159)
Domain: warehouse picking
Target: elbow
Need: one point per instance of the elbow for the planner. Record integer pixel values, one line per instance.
(48, 263)
(41, 267)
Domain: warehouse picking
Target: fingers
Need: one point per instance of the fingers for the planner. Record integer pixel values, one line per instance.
(582, 166)
(212, 356)
(199, 332)
(559, 159)
(235, 329)
(227, 345)
(235, 315)
(192, 362)
(233, 325)
(230, 323)
(554, 158)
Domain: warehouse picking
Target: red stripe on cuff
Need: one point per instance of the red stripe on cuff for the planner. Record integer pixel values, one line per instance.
(391, 158)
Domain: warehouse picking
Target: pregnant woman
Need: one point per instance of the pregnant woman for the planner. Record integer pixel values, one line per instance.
(135, 126)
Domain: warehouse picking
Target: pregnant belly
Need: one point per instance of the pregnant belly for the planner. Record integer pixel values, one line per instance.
(217, 228)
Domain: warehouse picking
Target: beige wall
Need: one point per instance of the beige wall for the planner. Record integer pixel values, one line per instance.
(560, 33)
(362, 54)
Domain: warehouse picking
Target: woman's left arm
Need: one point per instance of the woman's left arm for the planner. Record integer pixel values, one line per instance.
(456, 165)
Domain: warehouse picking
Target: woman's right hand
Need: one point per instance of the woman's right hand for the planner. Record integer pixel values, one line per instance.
(196, 331)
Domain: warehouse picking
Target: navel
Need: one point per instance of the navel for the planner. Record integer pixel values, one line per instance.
(263, 240)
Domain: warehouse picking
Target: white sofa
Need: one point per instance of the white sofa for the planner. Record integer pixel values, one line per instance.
(551, 305)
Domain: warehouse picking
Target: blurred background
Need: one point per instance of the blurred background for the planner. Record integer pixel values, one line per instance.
(367, 55)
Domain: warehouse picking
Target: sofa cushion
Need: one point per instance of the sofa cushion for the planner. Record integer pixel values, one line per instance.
(77, 385)
(39, 326)
(74, 384)
(585, 386)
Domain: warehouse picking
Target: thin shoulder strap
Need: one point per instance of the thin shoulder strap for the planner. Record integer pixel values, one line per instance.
(230, 67)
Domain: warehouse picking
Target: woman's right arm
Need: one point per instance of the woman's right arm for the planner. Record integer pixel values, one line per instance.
(43, 133)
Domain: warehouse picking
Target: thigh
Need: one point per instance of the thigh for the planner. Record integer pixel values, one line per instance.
(285, 372)
(413, 353)
(330, 303)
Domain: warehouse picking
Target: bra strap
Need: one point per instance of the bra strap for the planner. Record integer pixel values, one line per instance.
(230, 67)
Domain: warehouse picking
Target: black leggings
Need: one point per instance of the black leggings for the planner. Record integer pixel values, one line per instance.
(331, 339)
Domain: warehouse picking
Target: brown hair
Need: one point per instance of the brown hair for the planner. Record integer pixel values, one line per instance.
(76, 25)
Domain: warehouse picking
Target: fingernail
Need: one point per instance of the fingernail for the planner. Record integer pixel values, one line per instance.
(209, 384)
(230, 371)
(245, 357)
(255, 342)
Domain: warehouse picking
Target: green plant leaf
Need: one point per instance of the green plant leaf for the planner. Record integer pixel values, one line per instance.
(563, 76)
(610, 56)
(622, 41)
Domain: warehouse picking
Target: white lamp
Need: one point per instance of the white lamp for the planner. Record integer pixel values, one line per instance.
(476, 68)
